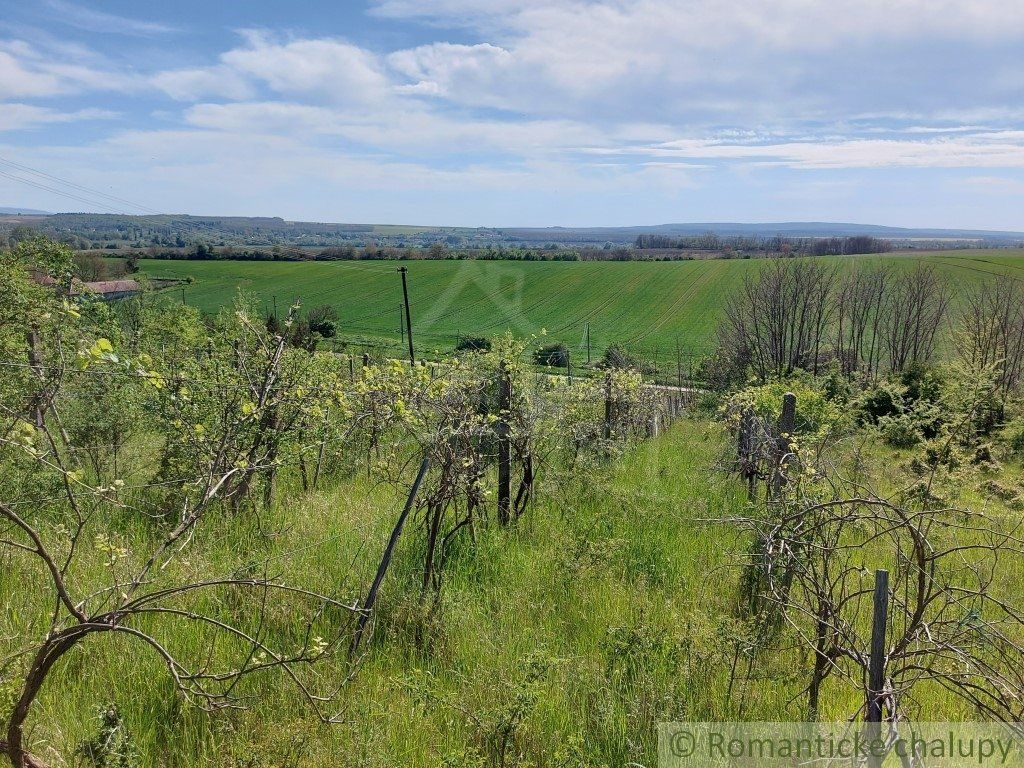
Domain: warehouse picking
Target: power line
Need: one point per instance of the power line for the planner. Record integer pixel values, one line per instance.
(66, 182)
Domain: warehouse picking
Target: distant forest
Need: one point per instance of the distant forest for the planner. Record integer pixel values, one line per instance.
(812, 246)
(239, 238)
(646, 248)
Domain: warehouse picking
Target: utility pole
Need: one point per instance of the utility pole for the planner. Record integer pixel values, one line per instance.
(588, 343)
(408, 315)
(401, 323)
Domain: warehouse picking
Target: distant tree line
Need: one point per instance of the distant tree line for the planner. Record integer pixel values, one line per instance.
(728, 248)
(812, 246)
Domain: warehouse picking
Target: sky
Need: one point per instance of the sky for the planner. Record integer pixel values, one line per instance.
(529, 113)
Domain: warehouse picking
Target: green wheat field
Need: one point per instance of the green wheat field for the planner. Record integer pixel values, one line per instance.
(652, 308)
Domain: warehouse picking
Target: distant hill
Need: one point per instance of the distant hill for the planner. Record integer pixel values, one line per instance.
(8, 211)
(116, 231)
(736, 229)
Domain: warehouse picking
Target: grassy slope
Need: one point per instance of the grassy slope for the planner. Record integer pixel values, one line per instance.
(611, 582)
(646, 305)
(605, 581)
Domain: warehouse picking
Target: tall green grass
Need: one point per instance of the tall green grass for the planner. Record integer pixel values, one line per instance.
(607, 608)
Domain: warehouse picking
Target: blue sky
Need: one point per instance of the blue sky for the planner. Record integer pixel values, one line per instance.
(532, 113)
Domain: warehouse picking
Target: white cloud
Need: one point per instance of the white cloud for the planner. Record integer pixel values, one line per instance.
(18, 80)
(792, 23)
(325, 70)
(453, 11)
(1000, 149)
(15, 116)
(26, 71)
(712, 62)
(439, 68)
(994, 185)
(263, 117)
(332, 69)
(408, 129)
(272, 168)
(99, 21)
(203, 82)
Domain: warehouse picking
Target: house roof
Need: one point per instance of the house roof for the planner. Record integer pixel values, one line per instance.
(110, 286)
(102, 287)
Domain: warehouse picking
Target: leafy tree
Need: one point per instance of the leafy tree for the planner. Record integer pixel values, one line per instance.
(323, 320)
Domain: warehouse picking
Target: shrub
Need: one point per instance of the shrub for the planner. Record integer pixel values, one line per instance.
(1012, 436)
(885, 400)
(815, 412)
(112, 746)
(323, 320)
(922, 382)
(473, 344)
(617, 357)
(555, 355)
(900, 431)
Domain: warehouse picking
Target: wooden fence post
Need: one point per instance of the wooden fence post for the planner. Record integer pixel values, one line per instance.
(745, 450)
(608, 407)
(787, 419)
(743, 437)
(323, 445)
(504, 445)
(876, 670)
(371, 597)
(785, 429)
(879, 619)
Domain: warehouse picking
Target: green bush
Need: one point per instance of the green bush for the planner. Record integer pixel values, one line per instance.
(473, 344)
(884, 400)
(555, 355)
(112, 746)
(1012, 436)
(815, 411)
(900, 431)
(617, 357)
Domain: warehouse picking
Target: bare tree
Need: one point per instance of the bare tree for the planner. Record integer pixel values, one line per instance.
(915, 310)
(861, 299)
(776, 322)
(990, 334)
